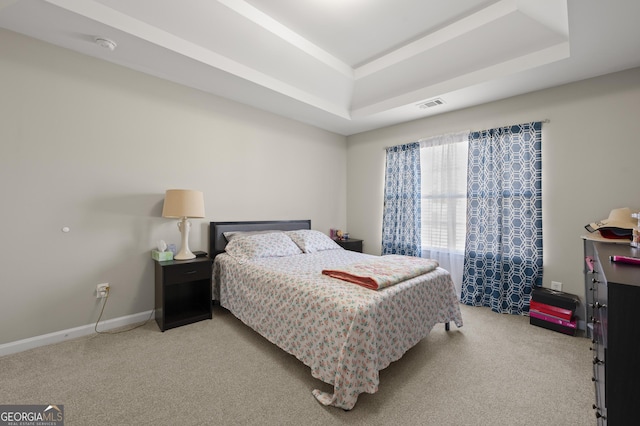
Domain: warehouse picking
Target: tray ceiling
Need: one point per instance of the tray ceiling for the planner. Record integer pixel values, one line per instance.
(347, 65)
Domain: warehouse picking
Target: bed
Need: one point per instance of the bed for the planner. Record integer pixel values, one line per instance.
(345, 333)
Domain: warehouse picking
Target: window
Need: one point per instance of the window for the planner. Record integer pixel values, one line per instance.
(443, 169)
(443, 164)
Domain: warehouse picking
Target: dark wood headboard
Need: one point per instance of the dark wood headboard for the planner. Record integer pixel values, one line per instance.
(217, 241)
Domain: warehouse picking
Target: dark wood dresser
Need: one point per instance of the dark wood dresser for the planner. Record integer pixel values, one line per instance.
(613, 296)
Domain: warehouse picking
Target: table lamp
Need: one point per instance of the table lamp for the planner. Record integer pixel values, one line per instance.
(183, 204)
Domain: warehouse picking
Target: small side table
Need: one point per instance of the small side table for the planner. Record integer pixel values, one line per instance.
(183, 292)
(352, 244)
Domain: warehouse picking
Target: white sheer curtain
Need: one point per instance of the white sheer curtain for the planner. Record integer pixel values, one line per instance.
(443, 164)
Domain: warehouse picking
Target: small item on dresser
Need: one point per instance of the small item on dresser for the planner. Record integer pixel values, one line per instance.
(162, 246)
(635, 240)
(161, 255)
(200, 253)
(625, 259)
(618, 226)
(345, 236)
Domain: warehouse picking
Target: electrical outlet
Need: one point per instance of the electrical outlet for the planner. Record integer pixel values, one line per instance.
(102, 290)
(556, 285)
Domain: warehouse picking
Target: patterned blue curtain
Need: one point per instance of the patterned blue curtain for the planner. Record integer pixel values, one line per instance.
(503, 250)
(401, 216)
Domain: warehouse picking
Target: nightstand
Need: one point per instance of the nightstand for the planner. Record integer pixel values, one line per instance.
(352, 244)
(183, 292)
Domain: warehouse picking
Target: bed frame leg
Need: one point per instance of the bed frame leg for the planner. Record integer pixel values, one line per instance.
(447, 326)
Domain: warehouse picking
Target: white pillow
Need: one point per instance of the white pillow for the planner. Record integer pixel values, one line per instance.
(311, 241)
(274, 244)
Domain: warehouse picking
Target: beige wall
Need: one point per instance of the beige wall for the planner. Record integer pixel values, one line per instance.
(590, 154)
(93, 146)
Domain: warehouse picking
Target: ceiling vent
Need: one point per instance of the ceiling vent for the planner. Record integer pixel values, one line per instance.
(431, 103)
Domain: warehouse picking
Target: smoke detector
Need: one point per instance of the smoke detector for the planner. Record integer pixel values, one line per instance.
(431, 103)
(105, 43)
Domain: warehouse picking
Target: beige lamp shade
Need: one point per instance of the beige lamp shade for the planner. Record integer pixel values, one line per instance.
(179, 203)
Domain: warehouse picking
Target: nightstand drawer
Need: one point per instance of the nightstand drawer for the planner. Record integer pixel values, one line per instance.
(188, 272)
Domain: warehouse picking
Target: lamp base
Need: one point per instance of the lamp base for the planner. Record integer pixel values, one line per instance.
(184, 254)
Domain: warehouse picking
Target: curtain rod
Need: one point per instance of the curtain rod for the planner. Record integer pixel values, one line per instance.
(546, 120)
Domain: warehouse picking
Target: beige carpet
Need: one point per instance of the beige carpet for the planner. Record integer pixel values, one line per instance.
(496, 370)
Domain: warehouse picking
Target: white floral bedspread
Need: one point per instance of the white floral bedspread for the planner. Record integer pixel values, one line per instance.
(344, 332)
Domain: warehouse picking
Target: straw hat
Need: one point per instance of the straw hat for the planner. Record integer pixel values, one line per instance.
(619, 224)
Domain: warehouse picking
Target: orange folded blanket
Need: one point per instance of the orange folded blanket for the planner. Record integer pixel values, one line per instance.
(384, 271)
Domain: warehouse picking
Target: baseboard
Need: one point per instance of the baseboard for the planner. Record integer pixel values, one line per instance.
(71, 333)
